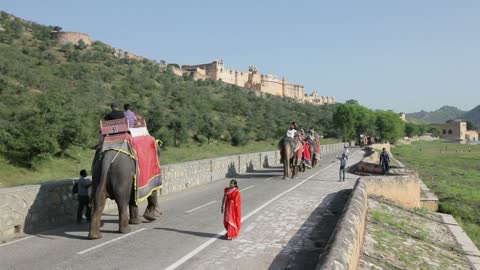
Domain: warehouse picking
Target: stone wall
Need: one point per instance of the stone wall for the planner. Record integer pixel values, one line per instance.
(35, 208)
(344, 247)
(72, 37)
(428, 199)
(403, 190)
(380, 146)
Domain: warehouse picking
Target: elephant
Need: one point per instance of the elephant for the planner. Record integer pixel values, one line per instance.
(113, 176)
(288, 153)
(312, 145)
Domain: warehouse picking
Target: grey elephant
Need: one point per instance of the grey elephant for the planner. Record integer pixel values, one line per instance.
(288, 148)
(113, 177)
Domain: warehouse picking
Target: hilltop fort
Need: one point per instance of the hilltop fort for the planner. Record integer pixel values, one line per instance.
(253, 80)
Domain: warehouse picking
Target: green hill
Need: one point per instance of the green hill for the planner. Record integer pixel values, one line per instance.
(52, 97)
(438, 116)
(473, 116)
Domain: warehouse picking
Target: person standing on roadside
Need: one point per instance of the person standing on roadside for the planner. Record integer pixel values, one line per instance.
(232, 213)
(84, 184)
(343, 165)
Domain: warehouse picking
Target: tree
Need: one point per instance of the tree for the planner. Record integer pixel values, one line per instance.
(411, 129)
(390, 126)
(344, 120)
(57, 28)
(351, 101)
(81, 45)
(471, 126)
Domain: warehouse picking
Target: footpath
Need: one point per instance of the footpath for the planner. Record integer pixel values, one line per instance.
(289, 233)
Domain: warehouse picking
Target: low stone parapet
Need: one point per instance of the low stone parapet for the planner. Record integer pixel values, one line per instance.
(403, 190)
(344, 247)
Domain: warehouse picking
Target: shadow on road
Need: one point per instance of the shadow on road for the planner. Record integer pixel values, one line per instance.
(304, 249)
(201, 234)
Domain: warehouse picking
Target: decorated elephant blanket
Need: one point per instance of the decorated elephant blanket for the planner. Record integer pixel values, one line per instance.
(317, 148)
(307, 159)
(142, 149)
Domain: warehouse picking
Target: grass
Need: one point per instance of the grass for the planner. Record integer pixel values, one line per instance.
(75, 159)
(400, 238)
(453, 174)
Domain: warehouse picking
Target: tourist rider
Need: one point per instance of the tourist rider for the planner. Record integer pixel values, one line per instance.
(131, 117)
(115, 113)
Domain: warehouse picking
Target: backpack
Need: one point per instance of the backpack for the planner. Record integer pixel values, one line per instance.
(75, 188)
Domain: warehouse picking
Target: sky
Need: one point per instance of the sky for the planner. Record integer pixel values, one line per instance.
(405, 56)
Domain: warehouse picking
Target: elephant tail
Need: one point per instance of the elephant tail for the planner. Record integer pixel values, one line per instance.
(107, 161)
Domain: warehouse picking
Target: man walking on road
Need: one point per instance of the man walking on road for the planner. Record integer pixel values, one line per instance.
(384, 161)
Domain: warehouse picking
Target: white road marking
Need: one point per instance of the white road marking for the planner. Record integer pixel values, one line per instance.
(109, 241)
(270, 178)
(196, 208)
(247, 188)
(8, 243)
(222, 233)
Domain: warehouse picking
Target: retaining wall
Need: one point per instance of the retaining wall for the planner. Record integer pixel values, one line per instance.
(34, 208)
(403, 190)
(428, 199)
(344, 247)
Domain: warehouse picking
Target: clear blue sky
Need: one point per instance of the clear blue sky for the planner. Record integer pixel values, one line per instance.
(402, 55)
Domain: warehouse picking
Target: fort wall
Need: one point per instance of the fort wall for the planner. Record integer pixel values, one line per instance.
(72, 37)
(253, 80)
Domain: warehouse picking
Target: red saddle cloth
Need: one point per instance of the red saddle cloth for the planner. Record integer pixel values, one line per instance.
(143, 149)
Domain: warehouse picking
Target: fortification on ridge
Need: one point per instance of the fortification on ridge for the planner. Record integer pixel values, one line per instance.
(251, 79)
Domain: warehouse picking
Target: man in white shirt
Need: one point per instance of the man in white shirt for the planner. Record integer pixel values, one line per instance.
(292, 130)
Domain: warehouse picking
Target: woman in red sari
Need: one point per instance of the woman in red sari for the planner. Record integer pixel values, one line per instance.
(232, 216)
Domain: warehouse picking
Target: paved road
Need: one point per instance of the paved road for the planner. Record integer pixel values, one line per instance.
(286, 224)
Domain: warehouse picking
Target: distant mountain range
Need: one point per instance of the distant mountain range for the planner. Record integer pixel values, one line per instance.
(444, 114)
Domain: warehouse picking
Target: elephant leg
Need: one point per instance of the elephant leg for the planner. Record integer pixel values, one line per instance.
(134, 218)
(123, 217)
(152, 205)
(133, 210)
(95, 224)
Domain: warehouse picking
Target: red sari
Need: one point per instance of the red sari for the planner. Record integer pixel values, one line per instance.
(232, 218)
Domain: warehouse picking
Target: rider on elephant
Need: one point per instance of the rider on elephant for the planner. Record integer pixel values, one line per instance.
(115, 113)
(292, 130)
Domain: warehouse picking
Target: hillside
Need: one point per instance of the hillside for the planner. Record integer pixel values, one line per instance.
(438, 116)
(473, 116)
(52, 97)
